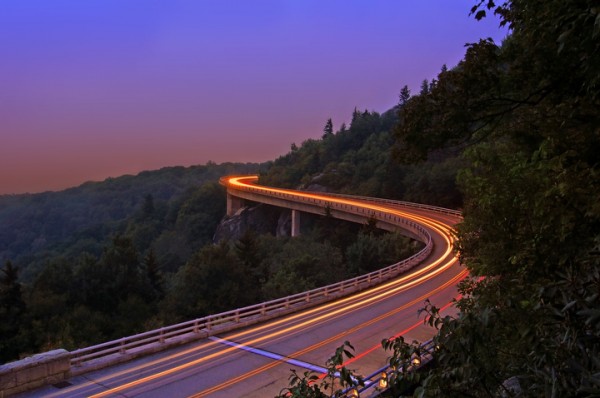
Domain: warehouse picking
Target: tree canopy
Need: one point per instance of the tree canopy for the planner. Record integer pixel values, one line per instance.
(525, 115)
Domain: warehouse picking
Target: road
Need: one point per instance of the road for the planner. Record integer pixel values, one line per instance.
(256, 361)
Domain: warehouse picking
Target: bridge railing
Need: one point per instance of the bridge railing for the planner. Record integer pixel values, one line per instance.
(381, 378)
(412, 205)
(120, 350)
(126, 348)
(261, 191)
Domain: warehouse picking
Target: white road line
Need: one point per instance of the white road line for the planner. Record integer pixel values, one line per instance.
(271, 355)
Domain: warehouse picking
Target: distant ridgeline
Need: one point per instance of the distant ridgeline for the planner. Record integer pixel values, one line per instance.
(174, 208)
(113, 258)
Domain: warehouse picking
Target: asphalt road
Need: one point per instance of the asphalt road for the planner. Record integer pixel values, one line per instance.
(256, 362)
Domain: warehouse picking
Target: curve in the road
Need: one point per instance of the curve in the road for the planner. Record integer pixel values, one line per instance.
(255, 361)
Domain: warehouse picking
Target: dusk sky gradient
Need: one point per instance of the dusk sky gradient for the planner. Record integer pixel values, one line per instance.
(97, 88)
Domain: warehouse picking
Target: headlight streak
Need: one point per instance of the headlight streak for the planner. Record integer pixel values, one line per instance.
(337, 337)
(283, 331)
(353, 302)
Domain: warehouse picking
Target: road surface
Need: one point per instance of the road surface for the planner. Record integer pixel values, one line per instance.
(256, 362)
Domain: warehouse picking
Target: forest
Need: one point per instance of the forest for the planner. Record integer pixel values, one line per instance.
(523, 116)
(129, 254)
(510, 135)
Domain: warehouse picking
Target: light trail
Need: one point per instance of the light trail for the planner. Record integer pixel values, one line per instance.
(327, 310)
(280, 332)
(338, 337)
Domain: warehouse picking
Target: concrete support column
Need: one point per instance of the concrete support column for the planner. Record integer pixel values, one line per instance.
(295, 223)
(233, 204)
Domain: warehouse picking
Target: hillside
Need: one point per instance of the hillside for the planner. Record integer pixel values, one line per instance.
(109, 259)
(360, 160)
(511, 135)
(150, 207)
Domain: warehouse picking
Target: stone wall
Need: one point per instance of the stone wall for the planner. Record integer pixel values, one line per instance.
(41, 369)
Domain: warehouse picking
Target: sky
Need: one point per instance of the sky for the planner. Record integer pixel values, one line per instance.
(100, 88)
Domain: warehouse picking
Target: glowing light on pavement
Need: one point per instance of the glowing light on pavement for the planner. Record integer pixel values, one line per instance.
(311, 317)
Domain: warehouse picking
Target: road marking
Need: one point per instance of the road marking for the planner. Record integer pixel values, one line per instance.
(331, 339)
(271, 355)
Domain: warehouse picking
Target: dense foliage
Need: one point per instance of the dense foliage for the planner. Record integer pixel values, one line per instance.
(527, 115)
(358, 160)
(82, 300)
(174, 210)
(524, 116)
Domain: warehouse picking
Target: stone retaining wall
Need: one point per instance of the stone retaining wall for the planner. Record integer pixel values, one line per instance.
(41, 369)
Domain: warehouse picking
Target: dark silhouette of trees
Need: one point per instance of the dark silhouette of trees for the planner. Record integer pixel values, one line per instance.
(328, 129)
(12, 313)
(404, 95)
(525, 114)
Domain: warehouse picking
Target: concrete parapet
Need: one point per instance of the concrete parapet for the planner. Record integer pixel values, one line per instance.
(41, 369)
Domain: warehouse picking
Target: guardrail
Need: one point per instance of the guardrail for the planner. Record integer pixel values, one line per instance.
(380, 379)
(291, 196)
(124, 349)
(437, 209)
(109, 353)
(127, 348)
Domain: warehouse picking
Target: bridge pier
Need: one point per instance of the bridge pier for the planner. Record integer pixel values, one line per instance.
(295, 223)
(234, 203)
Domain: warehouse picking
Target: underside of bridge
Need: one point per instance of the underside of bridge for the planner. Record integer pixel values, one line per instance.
(238, 199)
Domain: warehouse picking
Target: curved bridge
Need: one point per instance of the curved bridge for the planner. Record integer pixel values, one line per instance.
(249, 351)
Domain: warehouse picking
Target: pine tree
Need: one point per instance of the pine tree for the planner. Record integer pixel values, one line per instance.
(424, 87)
(328, 129)
(12, 310)
(404, 95)
(154, 274)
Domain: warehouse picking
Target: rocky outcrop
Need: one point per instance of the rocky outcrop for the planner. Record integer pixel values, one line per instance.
(262, 219)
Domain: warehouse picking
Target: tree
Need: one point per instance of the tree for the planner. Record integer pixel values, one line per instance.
(154, 274)
(328, 129)
(425, 87)
(249, 252)
(12, 311)
(148, 207)
(213, 280)
(526, 112)
(404, 95)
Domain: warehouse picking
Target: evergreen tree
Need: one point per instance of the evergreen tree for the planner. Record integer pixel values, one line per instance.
(404, 95)
(154, 274)
(328, 129)
(12, 310)
(424, 87)
(355, 117)
(247, 250)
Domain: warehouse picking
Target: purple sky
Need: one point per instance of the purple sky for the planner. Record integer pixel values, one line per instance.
(97, 88)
